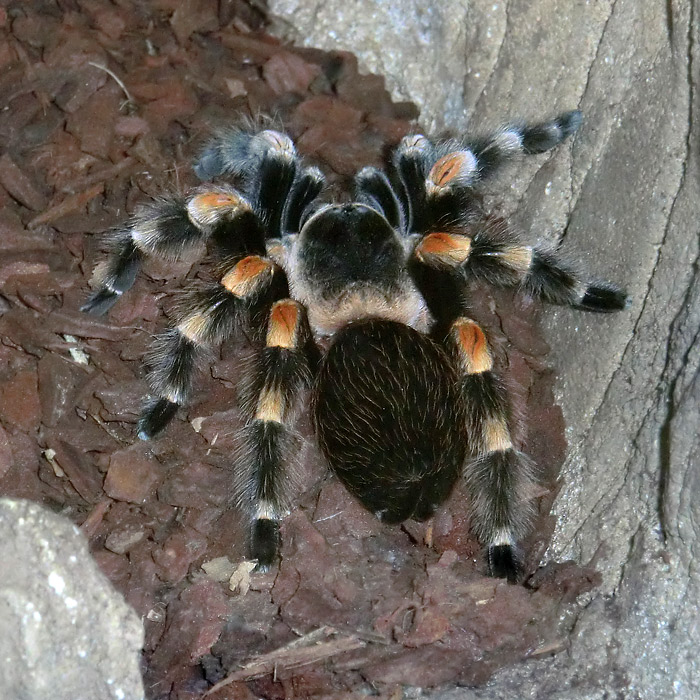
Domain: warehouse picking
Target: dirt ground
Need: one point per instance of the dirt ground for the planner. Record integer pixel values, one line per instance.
(105, 104)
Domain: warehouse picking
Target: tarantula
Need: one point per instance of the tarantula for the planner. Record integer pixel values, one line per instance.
(364, 304)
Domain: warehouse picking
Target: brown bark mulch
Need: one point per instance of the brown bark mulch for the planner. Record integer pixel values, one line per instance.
(105, 103)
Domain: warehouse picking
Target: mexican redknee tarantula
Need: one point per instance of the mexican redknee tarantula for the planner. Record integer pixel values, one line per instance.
(364, 304)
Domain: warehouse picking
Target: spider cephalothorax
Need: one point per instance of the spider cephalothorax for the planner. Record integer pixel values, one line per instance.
(363, 303)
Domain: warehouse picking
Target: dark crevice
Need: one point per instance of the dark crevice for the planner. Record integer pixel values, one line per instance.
(665, 432)
(669, 21)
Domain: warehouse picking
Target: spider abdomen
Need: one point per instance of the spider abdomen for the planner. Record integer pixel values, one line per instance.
(389, 420)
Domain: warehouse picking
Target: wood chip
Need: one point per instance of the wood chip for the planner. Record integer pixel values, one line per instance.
(309, 649)
(66, 206)
(240, 579)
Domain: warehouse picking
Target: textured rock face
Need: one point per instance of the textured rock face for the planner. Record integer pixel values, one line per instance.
(625, 196)
(65, 634)
(412, 44)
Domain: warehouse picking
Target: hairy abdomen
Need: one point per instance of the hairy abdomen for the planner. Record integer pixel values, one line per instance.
(388, 418)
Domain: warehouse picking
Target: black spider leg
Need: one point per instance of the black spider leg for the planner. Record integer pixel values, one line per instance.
(267, 166)
(207, 318)
(168, 228)
(281, 191)
(373, 188)
(411, 162)
(488, 250)
(238, 150)
(116, 274)
(438, 180)
(305, 189)
(172, 227)
(282, 370)
(234, 151)
(458, 236)
(273, 183)
(492, 151)
(499, 478)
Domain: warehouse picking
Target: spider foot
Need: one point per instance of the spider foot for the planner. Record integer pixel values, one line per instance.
(100, 302)
(155, 417)
(503, 563)
(604, 298)
(265, 543)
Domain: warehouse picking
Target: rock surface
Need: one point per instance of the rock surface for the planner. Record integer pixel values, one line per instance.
(418, 47)
(65, 633)
(628, 384)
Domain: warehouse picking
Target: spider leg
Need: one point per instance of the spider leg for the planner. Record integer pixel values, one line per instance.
(268, 165)
(273, 180)
(239, 151)
(282, 370)
(500, 479)
(115, 275)
(169, 228)
(372, 187)
(492, 151)
(281, 190)
(489, 251)
(305, 188)
(276, 193)
(412, 161)
(437, 181)
(208, 317)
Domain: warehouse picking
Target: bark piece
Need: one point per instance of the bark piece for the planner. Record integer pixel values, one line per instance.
(19, 184)
(133, 475)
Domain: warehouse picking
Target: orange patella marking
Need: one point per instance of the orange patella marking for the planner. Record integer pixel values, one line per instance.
(448, 168)
(451, 248)
(474, 348)
(217, 200)
(284, 323)
(246, 275)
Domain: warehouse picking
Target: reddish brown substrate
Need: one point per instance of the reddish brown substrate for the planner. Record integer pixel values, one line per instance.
(381, 608)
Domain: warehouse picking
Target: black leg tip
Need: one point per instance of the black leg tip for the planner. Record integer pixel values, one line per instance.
(155, 417)
(100, 302)
(503, 563)
(209, 165)
(265, 543)
(543, 137)
(569, 122)
(603, 298)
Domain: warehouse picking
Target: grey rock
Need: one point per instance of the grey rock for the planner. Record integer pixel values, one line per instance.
(624, 195)
(65, 634)
(395, 39)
